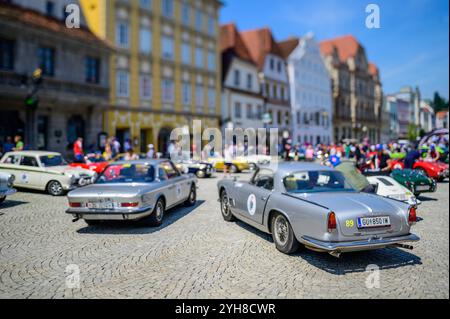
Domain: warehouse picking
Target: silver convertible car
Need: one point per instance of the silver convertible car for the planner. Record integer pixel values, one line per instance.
(138, 190)
(315, 206)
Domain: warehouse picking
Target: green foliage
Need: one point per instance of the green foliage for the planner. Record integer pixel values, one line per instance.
(439, 103)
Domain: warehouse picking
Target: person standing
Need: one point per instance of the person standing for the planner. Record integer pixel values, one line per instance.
(78, 150)
(19, 144)
(411, 157)
(8, 146)
(151, 151)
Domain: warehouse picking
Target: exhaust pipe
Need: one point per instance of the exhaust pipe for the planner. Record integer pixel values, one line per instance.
(336, 254)
(409, 247)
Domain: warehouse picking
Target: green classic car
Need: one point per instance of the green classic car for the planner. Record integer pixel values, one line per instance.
(414, 180)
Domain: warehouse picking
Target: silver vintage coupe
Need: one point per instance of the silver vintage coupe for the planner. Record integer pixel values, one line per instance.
(137, 190)
(315, 206)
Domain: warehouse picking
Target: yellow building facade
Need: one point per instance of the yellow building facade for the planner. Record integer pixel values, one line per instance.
(165, 71)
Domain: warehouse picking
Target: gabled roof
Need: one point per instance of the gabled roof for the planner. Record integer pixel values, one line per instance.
(230, 40)
(346, 46)
(35, 19)
(288, 46)
(260, 42)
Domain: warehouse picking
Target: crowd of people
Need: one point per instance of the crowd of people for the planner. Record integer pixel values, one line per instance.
(12, 144)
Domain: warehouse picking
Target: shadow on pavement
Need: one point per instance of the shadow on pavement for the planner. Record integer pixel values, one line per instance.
(427, 199)
(136, 228)
(387, 258)
(8, 203)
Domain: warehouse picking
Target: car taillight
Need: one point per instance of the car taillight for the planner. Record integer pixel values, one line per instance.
(332, 222)
(75, 205)
(412, 216)
(129, 205)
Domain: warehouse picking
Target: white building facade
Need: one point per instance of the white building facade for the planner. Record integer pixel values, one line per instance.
(310, 92)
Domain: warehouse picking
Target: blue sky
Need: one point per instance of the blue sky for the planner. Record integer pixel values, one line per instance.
(410, 48)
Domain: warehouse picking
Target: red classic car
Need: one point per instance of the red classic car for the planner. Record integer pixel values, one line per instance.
(93, 163)
(435, 170)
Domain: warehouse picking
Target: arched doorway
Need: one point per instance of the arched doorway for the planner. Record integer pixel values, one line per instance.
(164, 141)
(75, 129)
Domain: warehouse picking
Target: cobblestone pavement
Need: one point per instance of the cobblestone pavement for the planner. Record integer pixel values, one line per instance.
(197, 255)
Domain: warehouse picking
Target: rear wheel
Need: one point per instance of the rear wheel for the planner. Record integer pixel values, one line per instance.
(225, 207)
(283, 235)
(200, 174)
(234, 169)
(157, 216)
(192, 199)
(55, 188)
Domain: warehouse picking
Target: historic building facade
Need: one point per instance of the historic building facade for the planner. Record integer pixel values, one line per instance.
(273, 77)
(357, 90)
(242, 102)
(310, 91)
(74, 64)
(165, 72)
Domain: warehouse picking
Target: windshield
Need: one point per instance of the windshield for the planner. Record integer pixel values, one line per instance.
(127, 173)
(317, 181)
(52, 160)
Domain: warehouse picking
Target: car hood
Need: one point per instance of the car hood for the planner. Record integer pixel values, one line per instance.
(346, 202)
(411, 175)
(113, 190)
(69, 170)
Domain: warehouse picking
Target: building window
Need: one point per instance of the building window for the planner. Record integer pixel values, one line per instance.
(122, 35)
(167, 48)
(146, 4)
(50, 8)
(92, 70)
(198, 20)
(123, 84)
(279, 67)
(211, 25)
(185, 13)
(186, 94)
(199, 96)
(186, 53)
(249, 111)
(237, 78)
(6, 54)
(167, 8)
(249, 81)
(47, 61)
(212, 98)
(167, 91)
(146, 87)
(272, 64)
(238, 110)
(145, 40)
(211, 61)
(259, 112)
(199, 57)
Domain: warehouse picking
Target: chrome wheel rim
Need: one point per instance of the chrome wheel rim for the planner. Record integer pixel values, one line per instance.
(192, 196)
(281, 230)
(159, 211)
(225, 205)
(55, 188)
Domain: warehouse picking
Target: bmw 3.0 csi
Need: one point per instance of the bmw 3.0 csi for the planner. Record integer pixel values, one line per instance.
(315, 206)
(138, 190)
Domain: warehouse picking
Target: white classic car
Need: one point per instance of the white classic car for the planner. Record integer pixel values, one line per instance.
(6, 184)
(46, 171)
(389, 187)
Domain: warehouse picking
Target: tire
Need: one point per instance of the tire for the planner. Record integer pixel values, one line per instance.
(157, 216)
(234, 169)
(2, 199)
(92, 222)
(283, 235)
(55, 188)
(225, 207)
(200, 174)
(192, 199)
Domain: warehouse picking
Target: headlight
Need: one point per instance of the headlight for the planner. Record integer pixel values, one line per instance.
(11, 180)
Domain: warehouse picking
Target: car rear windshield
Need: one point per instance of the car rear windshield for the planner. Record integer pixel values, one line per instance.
(316, 181)
(52, 160)
(127, 173)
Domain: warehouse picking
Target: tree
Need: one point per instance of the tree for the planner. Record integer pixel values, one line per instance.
(439, 103)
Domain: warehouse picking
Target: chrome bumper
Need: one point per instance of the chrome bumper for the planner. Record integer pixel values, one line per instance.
(357, 245)
(111, 214)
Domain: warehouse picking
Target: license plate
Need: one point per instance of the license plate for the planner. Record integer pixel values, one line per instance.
(101, 205)
(373, 222)
(422, 188)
